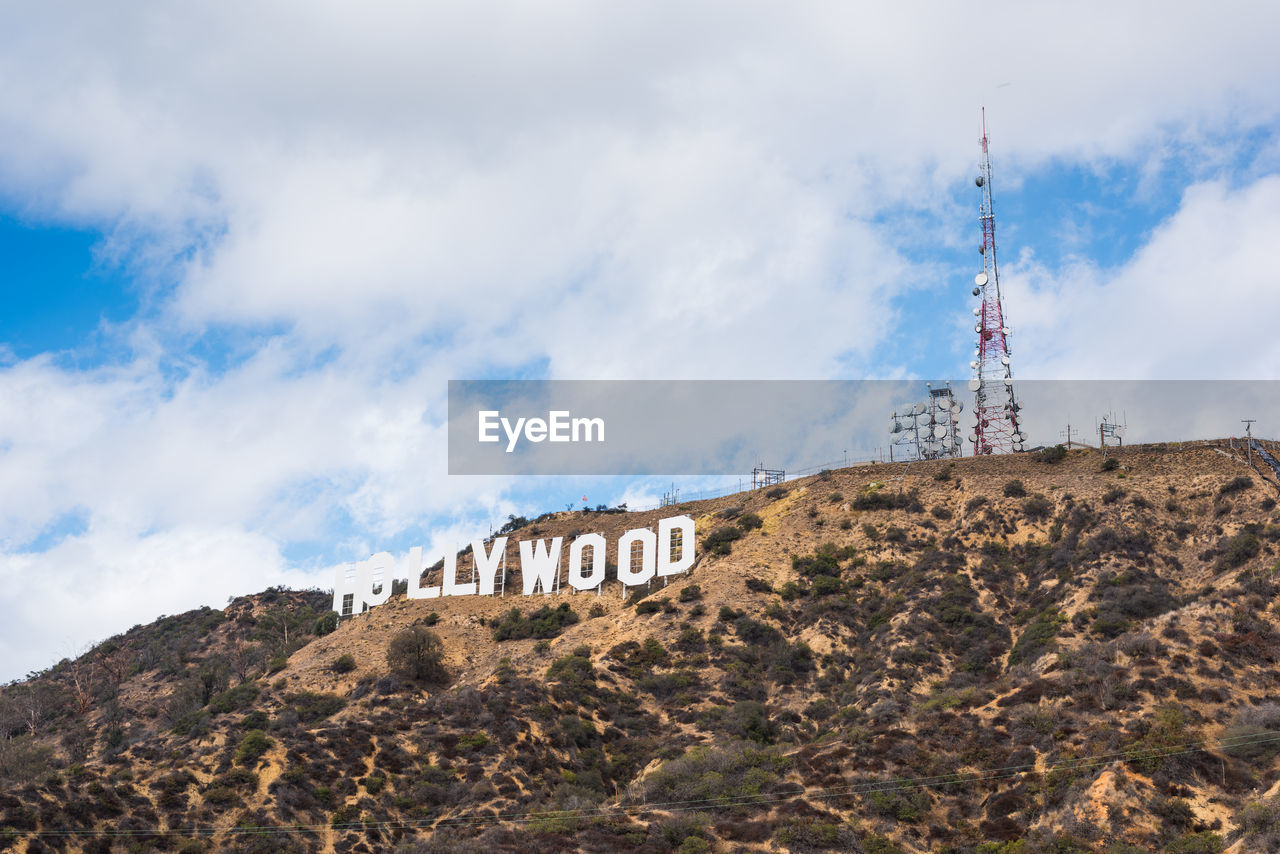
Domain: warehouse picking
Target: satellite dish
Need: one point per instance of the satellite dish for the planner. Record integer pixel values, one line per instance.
(1004, 360)
(919, 407)
(1120, 432)
(973, 365)
(1017, 437)
(979, 180)
(977, 312)
(1008, 380)
(977, 291)
(978, 328)
(895, 427)
(957, 406)
(980, 279)
(1005, 330)
(973, 439)
(939, 431)
(982, 250)
(1017, 446)
(974, 385)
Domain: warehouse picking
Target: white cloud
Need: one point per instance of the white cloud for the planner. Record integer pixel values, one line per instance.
(404, 194)
(1197, 301)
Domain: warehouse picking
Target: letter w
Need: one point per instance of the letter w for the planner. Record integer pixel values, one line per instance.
(539, 565)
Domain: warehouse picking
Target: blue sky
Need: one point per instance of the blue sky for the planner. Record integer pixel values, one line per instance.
(240, 264)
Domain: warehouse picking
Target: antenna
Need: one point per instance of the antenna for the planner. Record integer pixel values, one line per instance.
(996, 428)
(928, 430)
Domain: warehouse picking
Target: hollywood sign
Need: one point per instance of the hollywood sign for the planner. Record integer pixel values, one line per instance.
(670, 551)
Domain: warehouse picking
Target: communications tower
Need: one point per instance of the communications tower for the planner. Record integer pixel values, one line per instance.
(996, 428)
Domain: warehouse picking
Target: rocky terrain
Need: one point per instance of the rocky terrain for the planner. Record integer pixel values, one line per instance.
(1038, 653)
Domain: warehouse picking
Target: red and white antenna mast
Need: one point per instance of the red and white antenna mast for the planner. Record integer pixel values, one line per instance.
(996, 427)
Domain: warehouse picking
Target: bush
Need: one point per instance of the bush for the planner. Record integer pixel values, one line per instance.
(1259, 822)
(738, 770)
(1110, 464)
(1037, 507)
(1236, 484)
(545, 622)
(1050, 455)
(327, 623)
(1038, 637)
(1249, 736)
(312, 707)
(417, 653)
(691, 593)
(575, 669)
(1237, 550)
(750, 521)
(1014, 489)
(252, 746)
(720, 541)
(344, 663)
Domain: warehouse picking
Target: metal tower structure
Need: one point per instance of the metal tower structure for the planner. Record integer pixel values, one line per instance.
(928, 430)
(996, 427)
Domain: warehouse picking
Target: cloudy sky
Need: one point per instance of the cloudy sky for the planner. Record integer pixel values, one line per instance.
(244, 246)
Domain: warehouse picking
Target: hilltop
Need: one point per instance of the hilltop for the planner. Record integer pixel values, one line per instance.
(1011, 654)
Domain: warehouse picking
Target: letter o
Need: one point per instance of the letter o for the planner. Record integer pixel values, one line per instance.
(648, 550)
(576, 580)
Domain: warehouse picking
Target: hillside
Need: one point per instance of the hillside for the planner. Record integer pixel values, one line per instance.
(1012, 654)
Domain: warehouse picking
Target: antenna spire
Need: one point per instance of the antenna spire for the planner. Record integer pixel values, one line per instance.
(995, 411)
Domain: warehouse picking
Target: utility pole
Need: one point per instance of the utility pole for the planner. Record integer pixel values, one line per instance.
(1248, 439)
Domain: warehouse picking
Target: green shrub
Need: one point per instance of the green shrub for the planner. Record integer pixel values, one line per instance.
(1038, 637)
(1196, 843)
(691, 593)
(720, 541)
(1037, 507)
(545, 622)
(312, 707)
(750, 521)
(738, 770)
(326, 623)
(1014, 489)
(1050, 455)
(417, 653)
(574, 669)
(906, 804)
(1236, 484)
(252, 746)
(344, 663)
(1237, 550)
(238, 698)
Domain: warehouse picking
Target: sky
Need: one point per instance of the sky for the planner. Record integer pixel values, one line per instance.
(244, 246)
